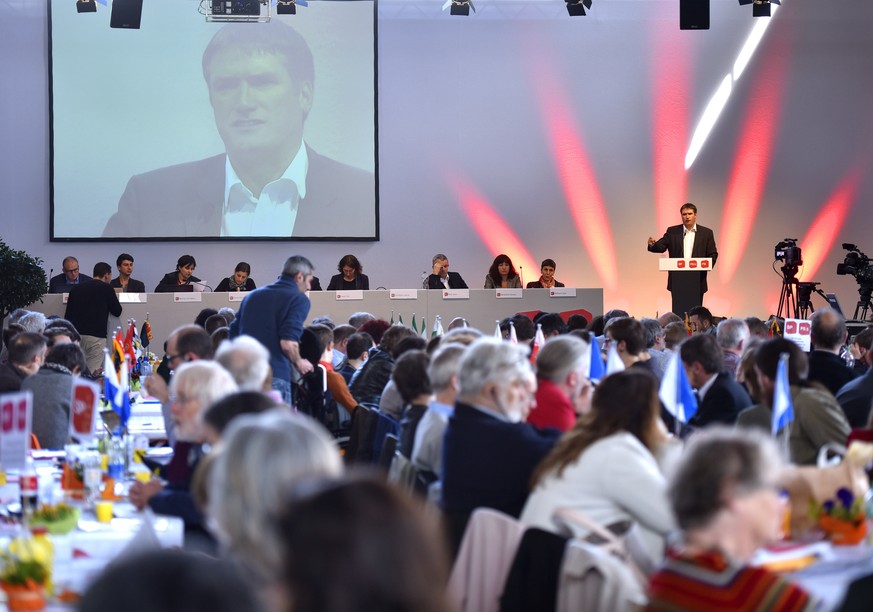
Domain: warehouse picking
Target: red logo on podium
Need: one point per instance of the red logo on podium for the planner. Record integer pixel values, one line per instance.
(704, 264)
(805, 328)
(692, 264)
(680, 264)
(790, 327)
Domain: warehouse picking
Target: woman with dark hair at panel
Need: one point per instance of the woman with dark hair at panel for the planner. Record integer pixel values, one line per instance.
(606, 466)
(725, 498)
(240, 280)
(547, 278)
(182, 276)
(359, 545)
(349, 277)
(502, 274)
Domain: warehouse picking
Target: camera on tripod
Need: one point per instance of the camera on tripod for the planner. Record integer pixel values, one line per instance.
(789, 253)
(856, 264)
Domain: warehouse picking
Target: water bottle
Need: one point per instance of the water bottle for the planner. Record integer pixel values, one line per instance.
(29, 484)
(117, 459)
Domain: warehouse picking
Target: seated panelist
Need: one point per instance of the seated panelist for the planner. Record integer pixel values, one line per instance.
(350, 276)
(502, 274)
(547, 278)
(239, 281)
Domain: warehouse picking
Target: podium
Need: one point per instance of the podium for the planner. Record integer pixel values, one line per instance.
(686, 279)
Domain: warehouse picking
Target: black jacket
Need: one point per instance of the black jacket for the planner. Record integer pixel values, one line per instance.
(170, 284)
(370, 380)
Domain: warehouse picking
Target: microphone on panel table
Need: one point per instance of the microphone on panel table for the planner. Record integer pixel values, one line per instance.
(201, 286)
(521, 275)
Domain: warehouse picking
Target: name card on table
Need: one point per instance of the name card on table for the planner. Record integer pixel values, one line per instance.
(194, 296)
(16, 411)
(236, 296)
(353, 294)
(133, 298)
(456, 294)
(560, 292)
(403, 294)
(86, 406)
(65, 297)
(508, 293)
(799, 331)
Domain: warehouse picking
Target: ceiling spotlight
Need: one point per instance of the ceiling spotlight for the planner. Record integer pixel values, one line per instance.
(576, 8)
(86, 6)
(459, 7)
(760, 8)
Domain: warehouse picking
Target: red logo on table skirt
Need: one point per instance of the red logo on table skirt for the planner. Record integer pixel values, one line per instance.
(692, 264)
(680, 264)
(805, 328)
(790, 327)
(704, 264)
(7, 417)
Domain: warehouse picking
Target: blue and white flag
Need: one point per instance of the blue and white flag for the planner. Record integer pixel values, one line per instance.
(596, 369)
(115, 389)
(676, 392)
(783, 408)
(613, 361)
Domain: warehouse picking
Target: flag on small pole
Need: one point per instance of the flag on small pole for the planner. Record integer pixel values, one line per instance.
(497, 333)
(116, 388)
(437, 327)
(596, 369)
(783, 407)
(538, 343)
(513, 337)
(676, 392)
(613, 361)
(391, 322)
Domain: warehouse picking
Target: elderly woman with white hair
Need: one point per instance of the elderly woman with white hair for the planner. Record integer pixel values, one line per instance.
(248, 361)
(195, 386)
(489, 452)
(726, 501)
(260, 460)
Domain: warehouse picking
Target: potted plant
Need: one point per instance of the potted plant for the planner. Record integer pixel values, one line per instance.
(23, 281)
(843, 519)
(26, 570)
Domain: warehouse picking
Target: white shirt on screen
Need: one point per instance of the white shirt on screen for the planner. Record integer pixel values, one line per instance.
(271, 214)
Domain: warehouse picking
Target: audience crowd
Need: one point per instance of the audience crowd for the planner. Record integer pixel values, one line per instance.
(267, 417)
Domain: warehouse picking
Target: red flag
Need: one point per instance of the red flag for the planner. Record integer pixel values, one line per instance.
(688, 324)
(128, 342)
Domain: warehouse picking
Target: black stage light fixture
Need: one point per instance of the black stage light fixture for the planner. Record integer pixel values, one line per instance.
(760, 8)
(86, 6)
(459, 7)
(576, 8)
(286, 7)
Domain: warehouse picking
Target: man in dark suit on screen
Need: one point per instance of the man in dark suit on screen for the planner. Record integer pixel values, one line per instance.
(270, 182)
(683, 241)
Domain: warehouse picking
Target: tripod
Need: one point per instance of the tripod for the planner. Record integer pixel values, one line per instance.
(787, 298)
(804, 298)
(864, 304)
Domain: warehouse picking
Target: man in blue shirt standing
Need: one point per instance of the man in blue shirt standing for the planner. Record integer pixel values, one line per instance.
(274, 316)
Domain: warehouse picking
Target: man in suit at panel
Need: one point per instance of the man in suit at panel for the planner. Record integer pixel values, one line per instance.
(270, 182)
(441, 277)
(686, 240)
(69, 278)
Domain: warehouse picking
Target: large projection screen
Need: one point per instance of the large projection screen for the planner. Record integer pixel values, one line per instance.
(143, 147)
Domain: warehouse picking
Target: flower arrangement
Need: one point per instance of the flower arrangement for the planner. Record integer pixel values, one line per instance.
(25, 574)
(843, 519)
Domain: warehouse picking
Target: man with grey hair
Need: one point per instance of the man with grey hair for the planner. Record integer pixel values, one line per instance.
(443, 373)
(829, 335)
(489, 453)
(441, 277)
(274, 316)
(656, 346)
(247, 361)
(563, 388)
(732, 335)
(359, 318)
